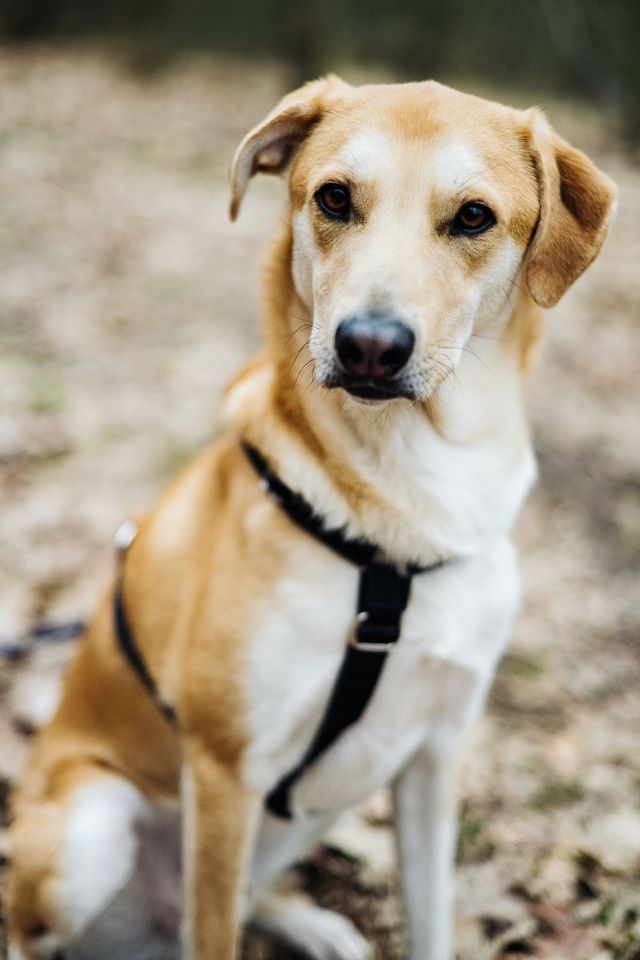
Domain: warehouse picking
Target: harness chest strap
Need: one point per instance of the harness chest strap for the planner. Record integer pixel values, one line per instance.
(382, 598)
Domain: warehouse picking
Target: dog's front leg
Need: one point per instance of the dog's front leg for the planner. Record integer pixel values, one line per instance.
(425, 817)
(219, 815)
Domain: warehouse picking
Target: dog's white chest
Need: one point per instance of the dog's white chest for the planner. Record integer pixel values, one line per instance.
(431, 686)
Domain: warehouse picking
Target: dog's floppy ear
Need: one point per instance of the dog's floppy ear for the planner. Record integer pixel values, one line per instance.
(269, 147)
(577, 202)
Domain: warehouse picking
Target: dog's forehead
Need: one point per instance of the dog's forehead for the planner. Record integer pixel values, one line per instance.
(422, 110)
(447, 160)
(427, 128)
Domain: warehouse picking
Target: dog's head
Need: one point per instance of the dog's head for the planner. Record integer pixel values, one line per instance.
(415, 210)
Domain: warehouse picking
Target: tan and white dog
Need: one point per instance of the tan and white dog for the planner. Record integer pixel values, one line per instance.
(424, 227)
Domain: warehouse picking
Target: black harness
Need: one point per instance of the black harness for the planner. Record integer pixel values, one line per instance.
(382, 598)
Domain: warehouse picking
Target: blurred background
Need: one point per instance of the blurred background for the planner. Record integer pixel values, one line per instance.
(584, 48)
(127, 300)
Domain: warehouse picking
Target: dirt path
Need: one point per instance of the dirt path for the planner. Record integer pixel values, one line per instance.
(126, 301)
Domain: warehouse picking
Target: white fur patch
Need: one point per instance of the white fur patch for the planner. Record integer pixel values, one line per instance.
(99, 851)
(14, 952)
(453, 167)
(366, 155)
(40, 948)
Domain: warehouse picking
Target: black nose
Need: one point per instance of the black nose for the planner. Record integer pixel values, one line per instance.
(373, 346)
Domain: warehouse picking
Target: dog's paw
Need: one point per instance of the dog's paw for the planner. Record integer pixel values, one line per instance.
(329, 936)
(318, 934)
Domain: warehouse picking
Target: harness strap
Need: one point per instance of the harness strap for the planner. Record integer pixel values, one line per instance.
(355, 550)
(383, 595)
(124, 537)
(382, 598)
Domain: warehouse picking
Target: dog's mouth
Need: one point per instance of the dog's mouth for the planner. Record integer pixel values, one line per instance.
(371, 391)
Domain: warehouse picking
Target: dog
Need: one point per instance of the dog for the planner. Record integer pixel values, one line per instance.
(425, 229)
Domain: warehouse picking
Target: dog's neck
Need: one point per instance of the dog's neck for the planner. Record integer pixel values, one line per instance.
(423, 480)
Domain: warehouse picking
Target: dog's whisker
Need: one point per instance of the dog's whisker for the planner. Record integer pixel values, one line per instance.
(385, 409)
(507, 294)
(294, 361)
(483, 336)
(302, 371)
(297, 353)
(465, 348)
(446, 370)
(514, 283)
(303, 326)
(311, 383)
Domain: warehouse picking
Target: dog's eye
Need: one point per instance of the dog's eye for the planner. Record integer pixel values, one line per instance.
(334, 200)
(472, 218)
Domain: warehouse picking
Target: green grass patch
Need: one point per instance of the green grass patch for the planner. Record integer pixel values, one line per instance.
(47, 395)
(556, 793)
(474, 846)
(522, 666)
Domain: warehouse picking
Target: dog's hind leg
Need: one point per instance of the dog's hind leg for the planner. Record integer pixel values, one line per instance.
(80, 883)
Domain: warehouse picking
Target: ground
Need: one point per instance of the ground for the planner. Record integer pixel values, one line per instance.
(127, 299)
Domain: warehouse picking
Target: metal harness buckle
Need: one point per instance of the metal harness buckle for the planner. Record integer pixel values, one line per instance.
(124, 537)
(266, 487)
(365, 646)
